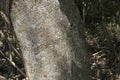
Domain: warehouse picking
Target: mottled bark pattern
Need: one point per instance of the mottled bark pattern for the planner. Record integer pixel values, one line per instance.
(51, 43)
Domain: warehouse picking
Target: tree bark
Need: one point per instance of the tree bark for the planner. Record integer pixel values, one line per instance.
(51, 40)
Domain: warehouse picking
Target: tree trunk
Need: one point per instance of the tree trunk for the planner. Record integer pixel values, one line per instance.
(50, 35)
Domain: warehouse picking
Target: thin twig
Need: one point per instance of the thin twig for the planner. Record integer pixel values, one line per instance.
(13, 64)
(5, 17)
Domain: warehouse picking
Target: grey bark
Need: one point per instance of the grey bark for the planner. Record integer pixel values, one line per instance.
(2, 78)
(50, 35)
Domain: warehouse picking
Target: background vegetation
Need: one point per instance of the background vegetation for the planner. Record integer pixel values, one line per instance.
(101, 20)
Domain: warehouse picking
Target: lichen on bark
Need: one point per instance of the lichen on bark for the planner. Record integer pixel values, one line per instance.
(48, 32)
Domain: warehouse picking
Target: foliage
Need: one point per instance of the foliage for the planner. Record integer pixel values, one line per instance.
(102, 23)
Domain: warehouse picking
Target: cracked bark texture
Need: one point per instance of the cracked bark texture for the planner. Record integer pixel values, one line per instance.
(50, 35)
